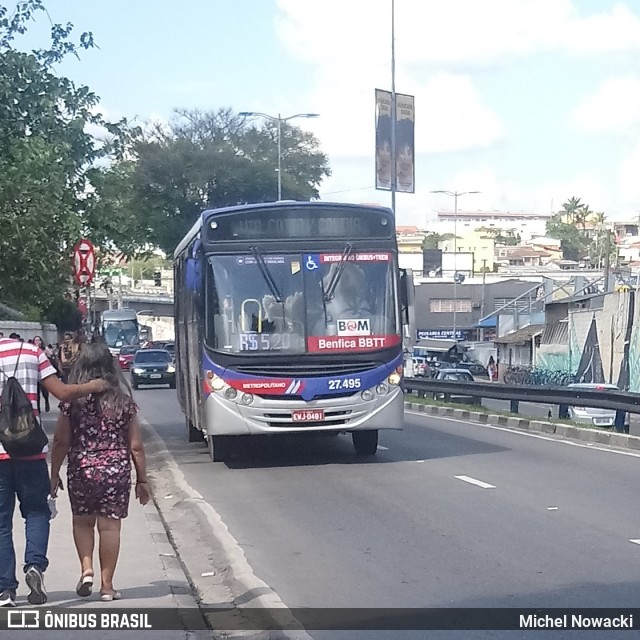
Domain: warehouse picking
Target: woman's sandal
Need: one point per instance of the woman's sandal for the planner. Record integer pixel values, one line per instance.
(108, 597)
(85, 585)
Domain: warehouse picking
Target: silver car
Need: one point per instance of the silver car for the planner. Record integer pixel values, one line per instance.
(590, 415)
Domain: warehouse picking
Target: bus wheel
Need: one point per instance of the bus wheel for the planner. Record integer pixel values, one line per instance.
(195, 435)
(365, 442)
(218, 448)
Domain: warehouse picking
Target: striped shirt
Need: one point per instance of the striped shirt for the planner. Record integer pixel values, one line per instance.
(33, 366)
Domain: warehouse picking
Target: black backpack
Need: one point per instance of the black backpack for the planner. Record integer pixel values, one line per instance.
(21, 433)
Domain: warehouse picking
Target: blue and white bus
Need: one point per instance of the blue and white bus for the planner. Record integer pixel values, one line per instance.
(289, 318)
(119, 328)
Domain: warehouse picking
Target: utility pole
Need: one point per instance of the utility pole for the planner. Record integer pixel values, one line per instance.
(394, 166)
(455, 195)
(484, 280)
(607, 263)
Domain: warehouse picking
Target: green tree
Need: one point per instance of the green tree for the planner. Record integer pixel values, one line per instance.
(64, 314)
(569, 226)
(47, 162)
(603, 242)
(142, 269)
(571, 210)
(432, 240)
(216, 159)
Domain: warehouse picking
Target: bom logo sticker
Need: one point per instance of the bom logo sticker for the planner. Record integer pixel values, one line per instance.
(354, 327)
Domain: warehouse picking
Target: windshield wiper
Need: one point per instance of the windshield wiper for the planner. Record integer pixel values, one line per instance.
(266, 274)
(337, 274)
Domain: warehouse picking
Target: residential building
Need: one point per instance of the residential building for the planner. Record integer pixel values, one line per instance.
(626, 229)
(410, 252)
(521, 257)
(629, 250)
(508, 223)
(552, 246)
(477, 242)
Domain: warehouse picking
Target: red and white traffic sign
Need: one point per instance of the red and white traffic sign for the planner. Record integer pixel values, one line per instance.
(84, 262)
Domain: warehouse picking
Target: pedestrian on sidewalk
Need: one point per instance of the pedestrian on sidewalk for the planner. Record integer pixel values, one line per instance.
(492, 369)
(68, 354)
(42, 392)
(28, 478)
(101, 436)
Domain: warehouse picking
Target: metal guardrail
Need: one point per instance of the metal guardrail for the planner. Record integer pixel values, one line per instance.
(620, 401)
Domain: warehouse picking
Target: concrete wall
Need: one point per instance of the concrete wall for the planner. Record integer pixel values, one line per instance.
(29, 330)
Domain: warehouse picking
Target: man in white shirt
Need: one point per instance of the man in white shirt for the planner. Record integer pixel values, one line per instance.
(28, 478)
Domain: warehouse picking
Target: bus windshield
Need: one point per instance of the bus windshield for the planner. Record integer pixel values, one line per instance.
(300, 303)
(118, 333)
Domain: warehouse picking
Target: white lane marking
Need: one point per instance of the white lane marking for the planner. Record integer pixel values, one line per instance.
(636, 541)
(478, 483)
(552, 508)
(381, 448)
(528, 435)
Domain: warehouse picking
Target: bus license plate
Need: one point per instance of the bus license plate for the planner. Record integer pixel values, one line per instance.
(307, 415)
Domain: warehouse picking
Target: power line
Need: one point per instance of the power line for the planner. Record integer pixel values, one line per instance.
(330, 193)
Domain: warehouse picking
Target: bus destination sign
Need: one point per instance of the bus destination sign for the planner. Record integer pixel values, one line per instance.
(294, 223)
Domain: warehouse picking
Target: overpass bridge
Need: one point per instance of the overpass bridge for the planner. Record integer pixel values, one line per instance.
(158, 305)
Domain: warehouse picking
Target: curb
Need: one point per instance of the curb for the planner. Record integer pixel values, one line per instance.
(570, 432)
(212, 560)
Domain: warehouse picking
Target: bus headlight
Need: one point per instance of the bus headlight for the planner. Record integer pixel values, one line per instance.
(247, 398)
(230, 393)
(382, 388)
(367, 395)
(216, 383)
(394, 379)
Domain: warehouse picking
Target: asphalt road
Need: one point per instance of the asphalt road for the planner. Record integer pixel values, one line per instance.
(413, 528)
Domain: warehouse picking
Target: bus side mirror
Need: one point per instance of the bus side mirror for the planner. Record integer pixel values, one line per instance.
(407, 304)
(193, 275)
(193, 270)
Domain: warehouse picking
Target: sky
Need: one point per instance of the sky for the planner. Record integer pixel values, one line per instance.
(529, 102)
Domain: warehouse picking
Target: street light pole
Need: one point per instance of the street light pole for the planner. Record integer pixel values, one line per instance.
(278, 120)
(394, 165)
(279, 158)
(455, 195)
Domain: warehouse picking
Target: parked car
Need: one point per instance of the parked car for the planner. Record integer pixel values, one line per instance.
(153, 366)
(126, 355)
(455, 375)
(590, 415)
(420, 367)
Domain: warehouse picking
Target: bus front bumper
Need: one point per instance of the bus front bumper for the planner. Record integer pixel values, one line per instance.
(275, 415)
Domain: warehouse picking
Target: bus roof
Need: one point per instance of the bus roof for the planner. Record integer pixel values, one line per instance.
(119, 314)
(282, 204)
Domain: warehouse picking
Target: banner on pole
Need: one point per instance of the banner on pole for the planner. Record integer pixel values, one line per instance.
(383, 139)
(405, 142)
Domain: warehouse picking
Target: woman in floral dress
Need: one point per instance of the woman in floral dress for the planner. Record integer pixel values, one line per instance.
(101, 436)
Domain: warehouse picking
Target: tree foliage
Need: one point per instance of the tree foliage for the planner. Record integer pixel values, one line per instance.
(125, 190)
(215, 159)
(569, 226)
(49, 186)
(432, 239)
(64, 314)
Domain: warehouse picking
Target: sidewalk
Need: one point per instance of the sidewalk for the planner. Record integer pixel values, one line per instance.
(148, 574)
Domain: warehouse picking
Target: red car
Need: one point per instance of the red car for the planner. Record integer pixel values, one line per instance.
(126, 357)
